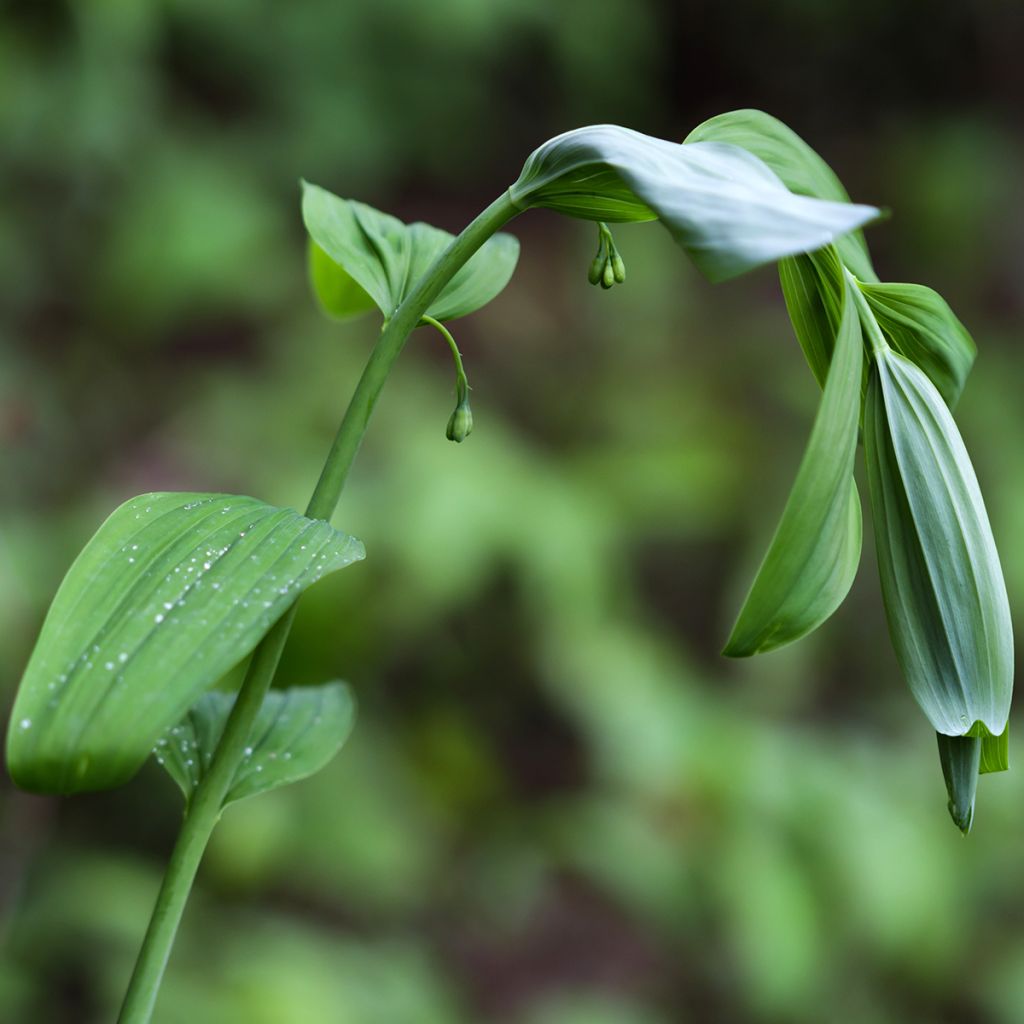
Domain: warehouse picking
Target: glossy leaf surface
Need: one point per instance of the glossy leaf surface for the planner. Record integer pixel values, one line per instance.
(297, 731)
(942, 583)
(918, 323)
(386, 257)
(721, 203)
(801, 169)
(814, 555)
(171, 592)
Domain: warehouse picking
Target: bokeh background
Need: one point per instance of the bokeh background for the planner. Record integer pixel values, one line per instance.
(560, 805)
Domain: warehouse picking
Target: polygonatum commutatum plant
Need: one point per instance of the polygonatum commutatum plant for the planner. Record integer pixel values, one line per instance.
(175, 590)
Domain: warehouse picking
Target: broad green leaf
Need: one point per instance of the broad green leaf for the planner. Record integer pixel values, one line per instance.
(297, 731)
(721, 203)
(919, 324)
(942, 583)
(801, 169)
(812, 286)
(814, 555)
(171, 592)
(339, 295)
(995, 753)
(959, 756)
(385, 257)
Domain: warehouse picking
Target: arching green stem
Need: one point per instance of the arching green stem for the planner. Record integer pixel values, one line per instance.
(205, 809)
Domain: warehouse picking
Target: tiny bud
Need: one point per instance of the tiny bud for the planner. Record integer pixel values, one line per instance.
(596, 270)
(607, 275)
(618, 268)
(460, 423)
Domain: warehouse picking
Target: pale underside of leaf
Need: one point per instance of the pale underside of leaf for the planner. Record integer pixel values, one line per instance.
(813, 558)
(296, 732)
(171, 592)
(385, 258)
(801, 169)
(721, 203)
(942, 584)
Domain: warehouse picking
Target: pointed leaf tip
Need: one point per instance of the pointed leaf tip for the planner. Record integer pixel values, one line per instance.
(814, 555)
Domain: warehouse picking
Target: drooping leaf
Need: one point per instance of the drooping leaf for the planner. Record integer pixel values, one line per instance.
(171, 592)
(942, 583)
(919, 324)
(812, 286)
(813, 557)
(801, 169)
(338, 294)
(297, 731)
(721, 203)
(385, 257)
(995, 753)
(959, 756)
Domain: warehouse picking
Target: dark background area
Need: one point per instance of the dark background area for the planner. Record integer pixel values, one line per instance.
(559, 805)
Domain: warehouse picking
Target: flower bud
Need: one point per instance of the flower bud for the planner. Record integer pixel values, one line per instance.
(618, 268)
(596, 269)
(460, 423)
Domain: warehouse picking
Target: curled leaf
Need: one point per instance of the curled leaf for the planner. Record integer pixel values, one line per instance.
(171, 592)
(801, 169)
(942, 583)
(960, 759)
(721, 203)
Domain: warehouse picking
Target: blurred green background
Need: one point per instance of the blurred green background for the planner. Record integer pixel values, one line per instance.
(560, 805)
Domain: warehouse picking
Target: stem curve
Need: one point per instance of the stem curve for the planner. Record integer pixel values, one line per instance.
(205, 809)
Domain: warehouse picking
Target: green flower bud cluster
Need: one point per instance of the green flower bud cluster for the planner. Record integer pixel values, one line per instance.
(607, 268)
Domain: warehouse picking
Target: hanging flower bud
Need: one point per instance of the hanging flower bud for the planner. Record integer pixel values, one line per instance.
(460, 423)
(618, 268)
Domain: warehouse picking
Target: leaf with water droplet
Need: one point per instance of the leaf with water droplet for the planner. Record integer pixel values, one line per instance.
(140, 628)
(297, 731)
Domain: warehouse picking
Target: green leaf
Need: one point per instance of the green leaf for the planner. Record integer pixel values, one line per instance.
(920, 325)
(959, 756)
(722, 204)
(296, 732)
(995, 753)
(799, 167)
(813, 557)
(812, 286)
(385, 257)
(338, 294)
(171, 592)
(942, 583)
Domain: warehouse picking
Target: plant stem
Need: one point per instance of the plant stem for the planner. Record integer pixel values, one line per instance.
(204, 810)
